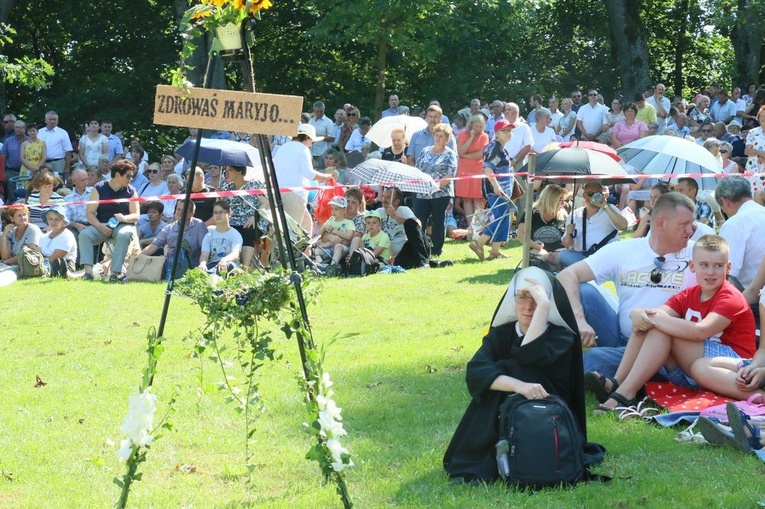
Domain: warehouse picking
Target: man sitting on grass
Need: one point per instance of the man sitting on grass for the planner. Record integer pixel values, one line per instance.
(710, 319)
(222, 244)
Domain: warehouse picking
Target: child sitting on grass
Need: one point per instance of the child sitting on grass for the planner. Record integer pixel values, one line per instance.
(336, 233)
(376, 239)
(222, 244)
(711, 319)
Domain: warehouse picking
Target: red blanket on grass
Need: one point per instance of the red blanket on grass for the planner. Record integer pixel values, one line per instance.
(682, 399)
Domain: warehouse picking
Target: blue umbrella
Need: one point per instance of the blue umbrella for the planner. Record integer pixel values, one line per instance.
(223, 153)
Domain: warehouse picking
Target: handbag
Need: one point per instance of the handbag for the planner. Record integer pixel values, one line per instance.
(518, 190)
(146, 268)
(749, 407)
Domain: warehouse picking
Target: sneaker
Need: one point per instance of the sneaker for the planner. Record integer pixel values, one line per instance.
(334, 270)
(113, 278)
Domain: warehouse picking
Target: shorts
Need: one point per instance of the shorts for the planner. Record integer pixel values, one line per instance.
(711, 349)
(450, 221)
(250, 236)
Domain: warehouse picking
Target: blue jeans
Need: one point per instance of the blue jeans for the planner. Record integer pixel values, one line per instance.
(568, 257)
(605, 357)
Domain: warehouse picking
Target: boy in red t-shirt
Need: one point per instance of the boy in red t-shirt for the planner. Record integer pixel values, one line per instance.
(711, 319)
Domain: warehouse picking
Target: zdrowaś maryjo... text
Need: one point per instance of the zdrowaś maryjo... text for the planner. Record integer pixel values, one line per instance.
(210, 108)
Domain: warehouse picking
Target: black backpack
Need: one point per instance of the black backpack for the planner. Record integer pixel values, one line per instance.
(541, 444)
(362, 263)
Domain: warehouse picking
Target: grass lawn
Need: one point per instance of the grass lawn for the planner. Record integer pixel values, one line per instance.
(400, 382)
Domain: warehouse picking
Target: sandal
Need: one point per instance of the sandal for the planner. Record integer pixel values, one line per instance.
(715, 433)
(624, 404)
(596, 384)
(642, 411)
(739, 423)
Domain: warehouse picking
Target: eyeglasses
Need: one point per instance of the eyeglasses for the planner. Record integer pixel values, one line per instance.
(152, 171)
(592, 95)
(658, 263)
(723, 151)
(352, 115)
(219, 212)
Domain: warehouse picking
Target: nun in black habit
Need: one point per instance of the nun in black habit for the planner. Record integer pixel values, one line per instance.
(533, 348)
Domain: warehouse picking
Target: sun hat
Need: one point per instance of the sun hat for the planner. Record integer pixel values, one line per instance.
(309, 131)
(733, 123)
(338, 201)
(61, 211)
(373, 213)
(485, 112)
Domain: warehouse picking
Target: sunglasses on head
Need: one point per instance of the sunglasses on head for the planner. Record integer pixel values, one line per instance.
(658, 263)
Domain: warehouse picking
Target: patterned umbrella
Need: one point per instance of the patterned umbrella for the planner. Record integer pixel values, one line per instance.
(391, 173)
(672, 156)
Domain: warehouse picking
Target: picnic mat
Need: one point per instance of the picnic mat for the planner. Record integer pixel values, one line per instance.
(682, 399)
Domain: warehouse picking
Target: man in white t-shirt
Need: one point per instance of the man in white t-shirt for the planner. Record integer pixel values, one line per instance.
(645, 271)
(591, 119)
(408, 243)
(597, 223)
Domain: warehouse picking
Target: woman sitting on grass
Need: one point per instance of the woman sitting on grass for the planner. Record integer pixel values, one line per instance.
(548, 223)
(531, 350)
(17, 234)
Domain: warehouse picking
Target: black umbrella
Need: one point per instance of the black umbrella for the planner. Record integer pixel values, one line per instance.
(571, 161)
(580, 161)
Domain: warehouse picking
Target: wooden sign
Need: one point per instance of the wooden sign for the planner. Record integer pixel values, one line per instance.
(243, 112)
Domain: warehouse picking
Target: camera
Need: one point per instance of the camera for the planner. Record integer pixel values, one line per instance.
(597, 198)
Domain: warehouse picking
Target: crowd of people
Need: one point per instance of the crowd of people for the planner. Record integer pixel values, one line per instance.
(688, 283)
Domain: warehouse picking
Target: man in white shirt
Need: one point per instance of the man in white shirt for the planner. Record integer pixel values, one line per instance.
(58, 146)
(645, 271)
(324, 127)
(661, 105)
(591, 119)
(745, 228)
(520, 144)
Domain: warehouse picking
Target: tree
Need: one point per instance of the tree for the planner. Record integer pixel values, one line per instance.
(629, 40)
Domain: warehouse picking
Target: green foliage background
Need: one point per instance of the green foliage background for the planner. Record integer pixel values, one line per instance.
(108, 56)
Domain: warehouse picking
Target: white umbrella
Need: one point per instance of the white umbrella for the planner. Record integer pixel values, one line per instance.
(391, 173)
(380, 132)
(672, 156)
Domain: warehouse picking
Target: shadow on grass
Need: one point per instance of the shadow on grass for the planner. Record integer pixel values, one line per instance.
(501, 277)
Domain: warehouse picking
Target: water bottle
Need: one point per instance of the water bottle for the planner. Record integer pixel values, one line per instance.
(47, 266)
(503, 465)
